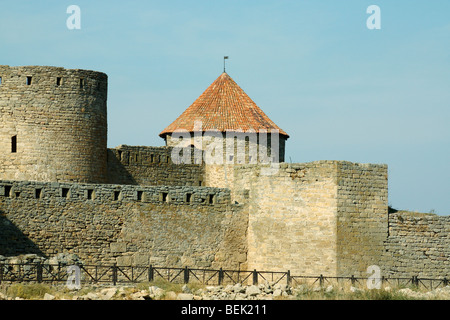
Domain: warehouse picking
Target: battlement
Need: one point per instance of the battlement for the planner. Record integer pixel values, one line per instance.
(45, 79)
(102, 223)
(151, 166)
(109, 193)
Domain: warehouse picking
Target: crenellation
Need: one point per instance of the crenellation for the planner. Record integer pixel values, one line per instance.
(105, 193)
(150, 166)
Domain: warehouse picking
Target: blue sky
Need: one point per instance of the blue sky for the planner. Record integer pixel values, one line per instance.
(341, 91)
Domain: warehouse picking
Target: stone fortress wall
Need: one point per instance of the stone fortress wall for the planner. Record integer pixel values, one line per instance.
(324, 215)
(140, 225)
(138, 165)
(417, 244)
(62, 190)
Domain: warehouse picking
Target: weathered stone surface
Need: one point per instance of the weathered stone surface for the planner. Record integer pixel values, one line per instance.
(107, 294)
(60, 129)
(252, 291)
(418, 245)
(128, 231)
(48, 296)
(151, 166)
(185, 296)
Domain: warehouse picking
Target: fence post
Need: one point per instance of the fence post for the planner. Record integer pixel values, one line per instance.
(59, 270)
(220, 276)
(39, 272)
(255, 277)
(186, 275)
(321, 280)
(445, 280)
(114, 275)
(150, 273)
(288, 276)
(353, 280)
(415, 281)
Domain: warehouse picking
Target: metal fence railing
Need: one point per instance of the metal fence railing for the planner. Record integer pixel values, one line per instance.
(114, 274)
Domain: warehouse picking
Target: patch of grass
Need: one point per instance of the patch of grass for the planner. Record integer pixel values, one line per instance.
(381, 294)
(346, 293)
(31, 291)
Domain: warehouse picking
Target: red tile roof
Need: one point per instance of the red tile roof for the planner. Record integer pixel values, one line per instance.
(224, 106)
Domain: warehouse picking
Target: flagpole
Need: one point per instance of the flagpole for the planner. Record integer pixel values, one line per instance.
(226, 57)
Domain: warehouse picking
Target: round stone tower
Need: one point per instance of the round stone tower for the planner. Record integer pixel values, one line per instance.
(53, 124)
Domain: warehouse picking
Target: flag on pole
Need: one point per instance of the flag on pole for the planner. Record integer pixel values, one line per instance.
(225, 57)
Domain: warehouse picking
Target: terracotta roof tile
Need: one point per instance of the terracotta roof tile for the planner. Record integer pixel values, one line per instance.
(223, 106)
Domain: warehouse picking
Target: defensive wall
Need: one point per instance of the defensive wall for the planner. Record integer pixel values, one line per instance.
(322, 217)
(418, 244)
(138, 165)
(102, 223)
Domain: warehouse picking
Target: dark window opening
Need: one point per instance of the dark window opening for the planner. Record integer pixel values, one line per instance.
(17, 193)
(28, 81)
(65, 192)
(139, 195)
(58, 81)
(120, 155)
(200, 183)
(137, 158)
(14, 144)
(8, 191)
(90, 194)
(37, 193)
(165, 197)
(116, 195)
(188, 197)
(152, 158)
(81, 83)
(211, 199)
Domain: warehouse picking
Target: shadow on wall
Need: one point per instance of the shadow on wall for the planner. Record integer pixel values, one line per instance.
(13, 241)
(392, 210)
(117, 173)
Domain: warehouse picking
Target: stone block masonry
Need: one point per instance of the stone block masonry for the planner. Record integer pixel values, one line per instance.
(418, 245)
(53, 124)
(362, 213)
(323, 217)
(160, 225)
(292, 217)
(151, 166)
